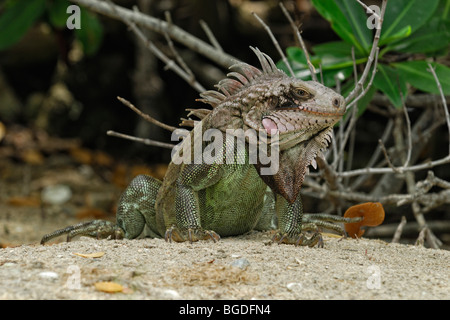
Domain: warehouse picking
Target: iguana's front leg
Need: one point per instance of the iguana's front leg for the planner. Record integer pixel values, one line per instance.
(290, 219)
(292, 223)
(192, 179)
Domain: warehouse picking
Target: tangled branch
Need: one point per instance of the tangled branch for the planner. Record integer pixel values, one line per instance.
(392, 167)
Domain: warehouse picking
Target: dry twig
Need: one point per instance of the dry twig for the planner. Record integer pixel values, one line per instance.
(148, 142)
(275, 42)
(371, 57)
(399, 230)
(146, 116)
(419, 194)
(129, 16)
(300, 40)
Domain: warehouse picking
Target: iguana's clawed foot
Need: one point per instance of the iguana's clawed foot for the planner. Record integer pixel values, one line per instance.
(312, 223)
(99, 229)
(190, 234)
(299, 240)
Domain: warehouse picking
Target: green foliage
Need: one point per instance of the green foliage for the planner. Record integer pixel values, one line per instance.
(409, 27)
(91, 32)
(17, 16)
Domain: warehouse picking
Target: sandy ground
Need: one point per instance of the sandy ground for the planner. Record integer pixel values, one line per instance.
(154, 269)
(244, 267)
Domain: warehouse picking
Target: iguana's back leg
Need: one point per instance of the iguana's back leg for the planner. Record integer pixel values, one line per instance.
(135, 213)
(136, 208)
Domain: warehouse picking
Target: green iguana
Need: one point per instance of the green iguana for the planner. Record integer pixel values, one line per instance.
(229, 195)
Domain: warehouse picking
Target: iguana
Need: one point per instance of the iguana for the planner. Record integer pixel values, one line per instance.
(199, 201)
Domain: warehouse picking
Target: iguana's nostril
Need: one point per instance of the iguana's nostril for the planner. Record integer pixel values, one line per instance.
(336, 102)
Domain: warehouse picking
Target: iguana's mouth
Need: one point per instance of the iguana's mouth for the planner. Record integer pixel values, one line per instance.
(288, 105)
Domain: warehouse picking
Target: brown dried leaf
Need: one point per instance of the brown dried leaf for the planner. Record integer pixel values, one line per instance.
(109, 287)
(24, 201)
(82, 155)
(90, 255)
(2, 131)
(103, 159)
(372, 213)
(32, 156)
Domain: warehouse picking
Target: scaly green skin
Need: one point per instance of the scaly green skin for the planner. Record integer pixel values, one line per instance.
(206, 201)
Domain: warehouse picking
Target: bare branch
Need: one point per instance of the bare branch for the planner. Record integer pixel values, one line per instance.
(364, 91)
(418, 167)
(344, 137)
(369, 10)
(128, 16)
(417, 100)
(175, 52)
(376, 154)
(431, 181)
(145, 116)
(386, 157)
(399, 230)
(444, 102)
(211, 36)
(275, 42)
(427, 165)
(371, 58)
(300, 40)
(411, 228)
(409, 135)
(148, 142)
(154, 49)
(355, 71)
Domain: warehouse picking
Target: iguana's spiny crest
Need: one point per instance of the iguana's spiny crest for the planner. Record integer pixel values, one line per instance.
(303, 113)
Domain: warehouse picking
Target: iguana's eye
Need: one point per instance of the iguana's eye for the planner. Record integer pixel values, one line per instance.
(302, 93)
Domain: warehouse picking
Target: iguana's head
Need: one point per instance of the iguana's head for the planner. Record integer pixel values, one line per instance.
(302, 113)
(296, 110)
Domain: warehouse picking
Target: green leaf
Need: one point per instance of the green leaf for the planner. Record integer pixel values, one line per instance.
(329, 76)
(337, 48)
(391, 83)
(91, 33)
(434, 41)
(416, 74)
(57, 13)
(339, 23)
(17, 19)
(401, 34)
(296, 54)
(358, 21)
(297, 60)
(431, 37)
(332, 65)
(402, 13)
